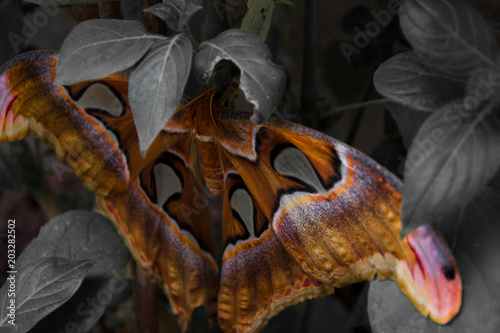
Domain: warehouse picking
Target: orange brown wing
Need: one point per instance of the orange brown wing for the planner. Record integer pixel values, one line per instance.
(336, 212)
(259, 277)
(89, 124)
(165, 221)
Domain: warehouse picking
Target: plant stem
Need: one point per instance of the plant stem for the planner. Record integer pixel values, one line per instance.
(80, 13)
(146, 303)
(109, 10)
(48, 202)
(359, 115)
(187, 32)
(152, 23)
(354, 128)
(354, 106)
(309, 93)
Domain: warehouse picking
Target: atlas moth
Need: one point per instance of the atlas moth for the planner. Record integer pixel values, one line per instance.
(303, 213)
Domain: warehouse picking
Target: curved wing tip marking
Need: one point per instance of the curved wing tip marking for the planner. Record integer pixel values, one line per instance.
(436, 280)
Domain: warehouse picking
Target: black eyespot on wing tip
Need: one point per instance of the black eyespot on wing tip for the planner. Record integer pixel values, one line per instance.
(449, 273)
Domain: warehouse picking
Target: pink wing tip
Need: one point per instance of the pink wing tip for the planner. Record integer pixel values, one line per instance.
(12, 126)
(5, 100)
(435, 274)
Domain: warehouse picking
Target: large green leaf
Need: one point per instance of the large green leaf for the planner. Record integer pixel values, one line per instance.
(156, 86)
(477, 246)
(96, 48)
(407, 79)
(451, 34)
(176, 13)
(454, 155)
(261, 80)
(40, 286)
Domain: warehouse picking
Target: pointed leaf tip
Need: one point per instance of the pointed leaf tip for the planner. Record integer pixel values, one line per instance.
(156, 86)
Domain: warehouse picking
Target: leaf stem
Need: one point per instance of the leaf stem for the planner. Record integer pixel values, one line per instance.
(109, 10)
(82, 12)
(146, 303)
(359, 115)
(355, 106)
(187, 32)
(48, 202)
(151, 22)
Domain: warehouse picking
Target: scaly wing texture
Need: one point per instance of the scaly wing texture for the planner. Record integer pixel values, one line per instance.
(90, 126)
(303, 213)
(336, 212)
(259, 277)
(165, 220)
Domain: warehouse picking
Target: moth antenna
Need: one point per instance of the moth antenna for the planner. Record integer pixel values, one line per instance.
(230, 93)
(212, 113)
(212, 91)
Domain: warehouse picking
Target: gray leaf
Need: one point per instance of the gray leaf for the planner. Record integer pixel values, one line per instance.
(176, 13)
(40, 287)
(406, 79)
(450, 33)
(409, 121)
(156, 86)
(454, 155)
(261, 80)
(81, 235)
(96, 48)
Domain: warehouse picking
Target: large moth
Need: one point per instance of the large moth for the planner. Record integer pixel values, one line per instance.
(302, 213)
